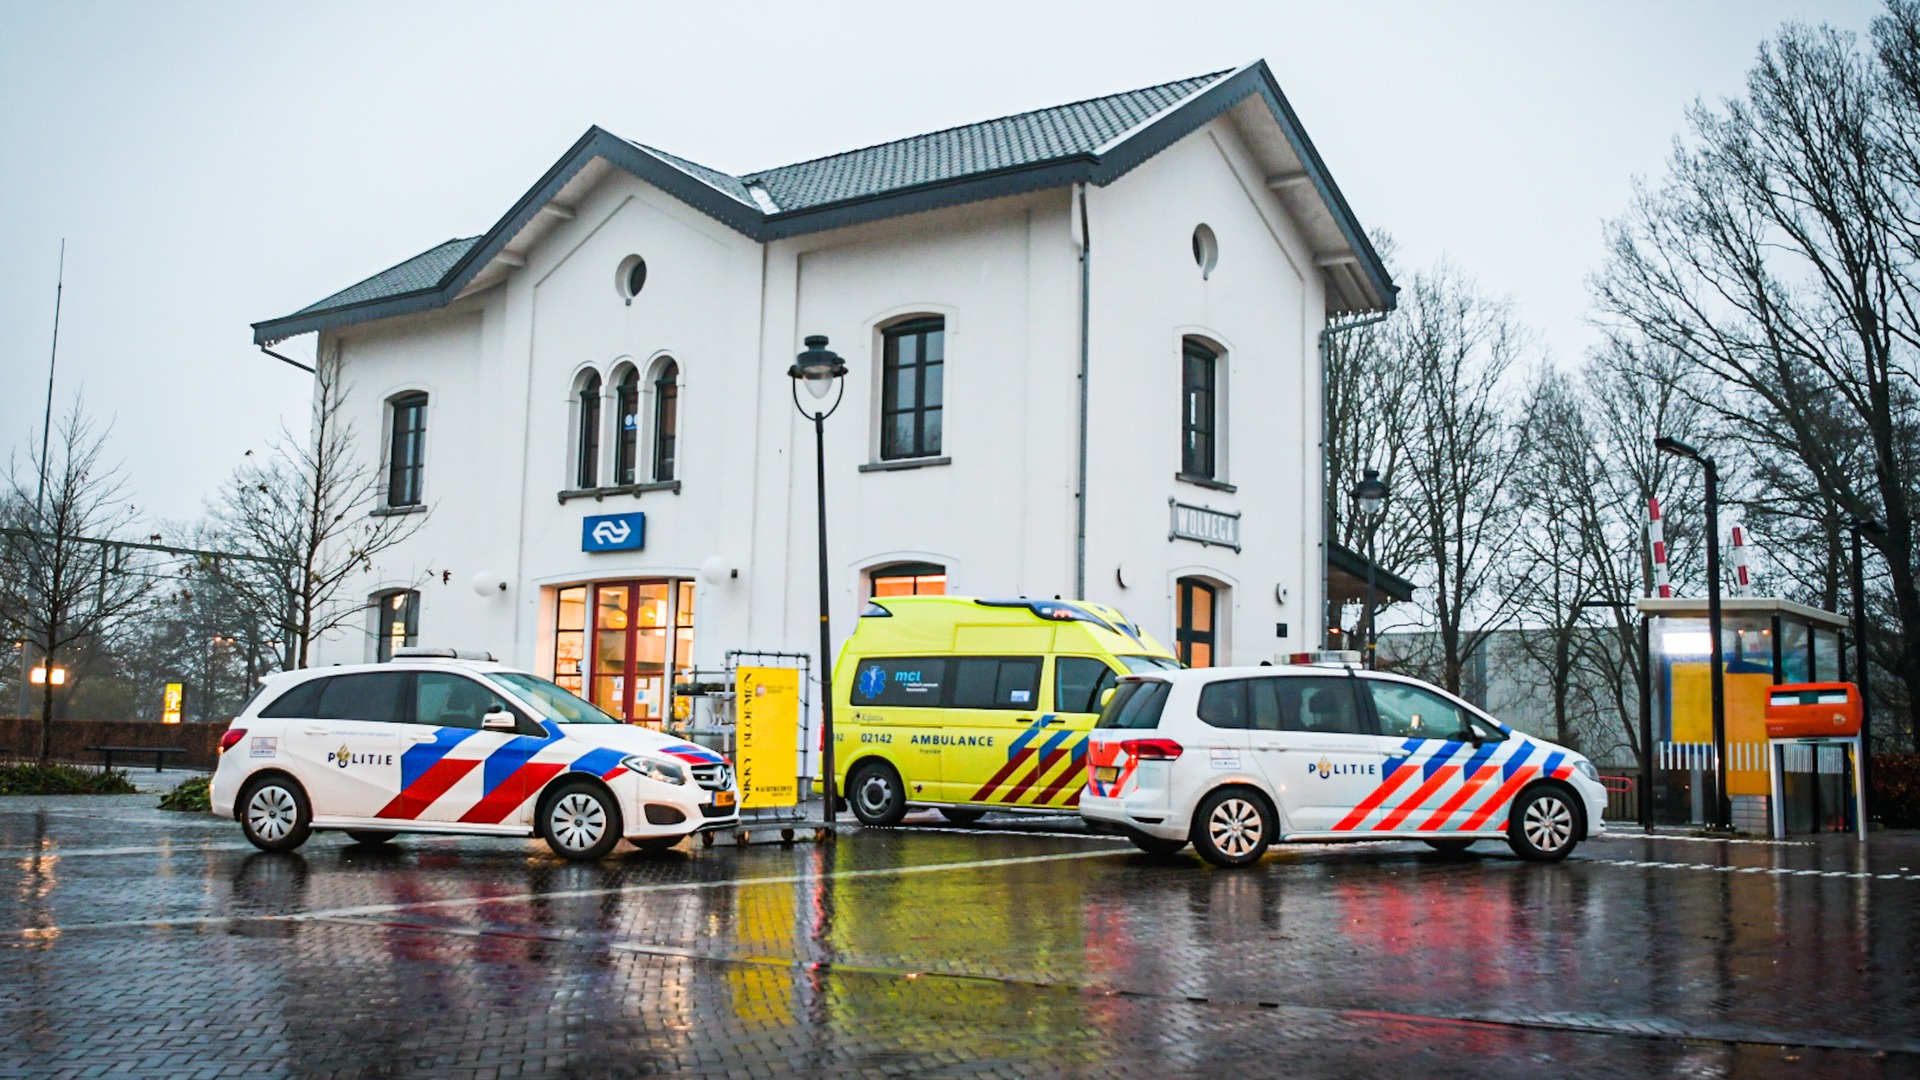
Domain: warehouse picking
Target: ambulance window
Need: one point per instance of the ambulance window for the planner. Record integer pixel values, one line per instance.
(1408, 712)
(1322, 706)
(1136, 705)
(380, 698)
(914, 681)
(1224, 704)
(981, 682)
(301, 702)
(1078, 682)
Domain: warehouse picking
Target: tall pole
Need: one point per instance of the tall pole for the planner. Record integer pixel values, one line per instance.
(1860, 659)
(1373, 527)
(40, 496)
(831, 805)
(1722, 803)
(1646, 724)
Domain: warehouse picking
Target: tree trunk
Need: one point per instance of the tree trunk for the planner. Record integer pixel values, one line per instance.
(46, 711)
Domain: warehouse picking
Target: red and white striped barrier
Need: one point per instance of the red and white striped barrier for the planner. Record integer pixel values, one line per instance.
(1657, 537)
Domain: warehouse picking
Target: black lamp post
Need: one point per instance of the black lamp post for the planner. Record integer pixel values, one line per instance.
(820, 372)
(1370, 495)
(1722, 804)
(1871, 527)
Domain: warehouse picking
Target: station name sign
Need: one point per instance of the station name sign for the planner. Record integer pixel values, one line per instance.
(614, 532)
(1203, 524)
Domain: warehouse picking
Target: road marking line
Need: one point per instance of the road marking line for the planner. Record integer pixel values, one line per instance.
(1776, 871)
(618, 890)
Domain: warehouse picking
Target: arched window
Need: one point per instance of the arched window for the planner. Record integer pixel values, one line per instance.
(912, 390)
(1195, 634)
(626, 457)
(908, 579)
(666, 419)
(587, 467)
(406, 449)
(1199, 409)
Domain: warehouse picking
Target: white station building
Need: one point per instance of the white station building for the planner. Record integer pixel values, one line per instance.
(1083, 351)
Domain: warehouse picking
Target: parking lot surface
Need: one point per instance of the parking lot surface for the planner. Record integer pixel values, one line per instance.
(152, 943)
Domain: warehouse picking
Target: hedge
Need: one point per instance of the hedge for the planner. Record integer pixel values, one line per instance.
(1895, 799)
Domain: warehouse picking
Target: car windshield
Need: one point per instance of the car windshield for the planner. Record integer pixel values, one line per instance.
(560, 705)
(1137, 665)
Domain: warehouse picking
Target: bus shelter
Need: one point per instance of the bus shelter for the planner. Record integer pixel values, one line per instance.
(1764, 641)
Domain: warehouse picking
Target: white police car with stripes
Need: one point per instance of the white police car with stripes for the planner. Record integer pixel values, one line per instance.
(445, 743)
(1234, 759)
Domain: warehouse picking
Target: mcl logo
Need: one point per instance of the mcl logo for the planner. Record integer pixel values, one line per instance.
(614, 532)
(1324, 768)
(344, 757)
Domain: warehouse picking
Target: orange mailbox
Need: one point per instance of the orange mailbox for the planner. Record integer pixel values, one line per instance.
(1806, 710)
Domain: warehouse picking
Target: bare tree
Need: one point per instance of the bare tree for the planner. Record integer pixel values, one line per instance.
(65, 582)
(306, 509)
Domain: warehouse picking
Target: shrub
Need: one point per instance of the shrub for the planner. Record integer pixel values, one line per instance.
(61, 780)
(1895, 799)
(190, 795)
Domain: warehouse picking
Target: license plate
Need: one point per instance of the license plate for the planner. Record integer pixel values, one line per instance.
(1106, 774)
(723, 798)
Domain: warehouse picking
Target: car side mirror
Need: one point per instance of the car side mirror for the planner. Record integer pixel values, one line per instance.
(498, 720)
(1106, 696)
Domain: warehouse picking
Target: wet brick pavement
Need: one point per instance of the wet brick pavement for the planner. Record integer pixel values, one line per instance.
(147, 943)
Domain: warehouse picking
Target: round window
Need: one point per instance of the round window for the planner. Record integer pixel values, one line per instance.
(1206, 250)
(631, 277)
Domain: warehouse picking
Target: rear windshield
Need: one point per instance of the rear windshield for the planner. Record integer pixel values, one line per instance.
(1136, 705)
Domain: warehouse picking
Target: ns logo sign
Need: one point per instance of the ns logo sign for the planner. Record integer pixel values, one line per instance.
(614, 532)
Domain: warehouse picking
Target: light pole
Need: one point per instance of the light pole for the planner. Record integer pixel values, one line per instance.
(1871, 527)
(1722, 804)
(1370, 495)
(820, 371)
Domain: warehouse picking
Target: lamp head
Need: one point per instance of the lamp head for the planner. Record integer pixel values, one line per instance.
(1370, 494)
(817, 367)
(1667, 445)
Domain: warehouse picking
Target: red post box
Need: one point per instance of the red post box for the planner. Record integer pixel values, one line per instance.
(1809, 710)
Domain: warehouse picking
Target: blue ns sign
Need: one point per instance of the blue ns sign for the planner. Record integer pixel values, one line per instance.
(614, 532)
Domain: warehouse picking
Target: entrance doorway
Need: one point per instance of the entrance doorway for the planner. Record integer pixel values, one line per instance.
(626, 641)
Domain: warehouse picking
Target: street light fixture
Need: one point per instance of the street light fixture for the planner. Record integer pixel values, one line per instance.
(1870, 527)
(1722, 803)
(821, 372)
(1370, 495)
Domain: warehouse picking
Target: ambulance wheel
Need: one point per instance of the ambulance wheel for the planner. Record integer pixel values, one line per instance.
(1449, 846)
(1232, 827)
(876, 793)
(369, 837)
(1544, 824)
(961, 816)
(581, 821)
(274, 814)
(1154, 845)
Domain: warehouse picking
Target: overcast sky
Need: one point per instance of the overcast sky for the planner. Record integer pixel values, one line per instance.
(214, 165)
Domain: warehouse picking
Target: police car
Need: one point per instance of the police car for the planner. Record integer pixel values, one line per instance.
(1234, 759)
(443, 742)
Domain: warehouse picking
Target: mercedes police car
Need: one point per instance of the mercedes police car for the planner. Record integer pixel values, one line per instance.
(436, 741)
(1234, 759)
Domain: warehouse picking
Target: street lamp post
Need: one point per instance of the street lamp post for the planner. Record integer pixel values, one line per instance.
(1722, 804)
(820, 371)
(1873, 527)
(1370, 495)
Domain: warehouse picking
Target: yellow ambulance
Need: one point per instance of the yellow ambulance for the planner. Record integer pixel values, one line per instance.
(974, 705)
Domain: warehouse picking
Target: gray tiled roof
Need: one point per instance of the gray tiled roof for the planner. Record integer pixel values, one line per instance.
(732, 185)
(423, 271)
(1025, 139)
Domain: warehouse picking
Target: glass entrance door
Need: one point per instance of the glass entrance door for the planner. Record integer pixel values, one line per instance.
(634, 626)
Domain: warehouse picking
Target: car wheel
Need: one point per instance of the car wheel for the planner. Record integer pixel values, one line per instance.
(654, 845)
(876, 794)
(1449, 845)
(960, 816)
(1154, 845)
(369, 837)
(1544, 825)
(1232, 827)
(581, 822)
(274, 814)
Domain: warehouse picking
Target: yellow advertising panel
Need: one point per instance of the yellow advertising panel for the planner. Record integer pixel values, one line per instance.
(767, 735)
(1746, 706)
(170, 704)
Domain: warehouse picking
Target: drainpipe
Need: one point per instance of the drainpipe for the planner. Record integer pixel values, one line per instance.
(1326, 519)
(1080, 487)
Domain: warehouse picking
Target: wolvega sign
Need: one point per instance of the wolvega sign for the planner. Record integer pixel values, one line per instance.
(614, 532)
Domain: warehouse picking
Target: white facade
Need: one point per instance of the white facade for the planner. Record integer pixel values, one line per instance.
(501, 365)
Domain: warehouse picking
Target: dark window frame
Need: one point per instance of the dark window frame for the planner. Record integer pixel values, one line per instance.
(666, 420)
(406, 448)
(1108, 678)
(1199, 409)
(382, 639)
(587, 457)
(924, 330)
(626, 454)
(1184, 635)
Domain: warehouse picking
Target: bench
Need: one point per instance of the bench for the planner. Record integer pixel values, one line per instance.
(159, 754)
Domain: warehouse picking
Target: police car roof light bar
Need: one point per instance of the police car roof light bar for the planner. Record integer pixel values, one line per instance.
(416, 652)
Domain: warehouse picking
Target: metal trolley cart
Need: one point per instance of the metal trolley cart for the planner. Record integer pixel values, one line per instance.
(768, 736)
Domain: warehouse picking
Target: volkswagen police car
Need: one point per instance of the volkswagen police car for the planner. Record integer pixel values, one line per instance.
(436, 741)
(1234, 759)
